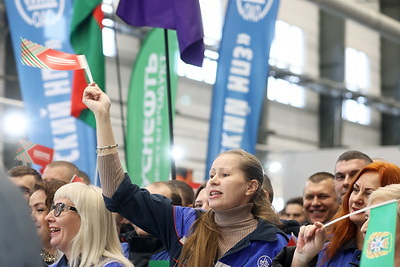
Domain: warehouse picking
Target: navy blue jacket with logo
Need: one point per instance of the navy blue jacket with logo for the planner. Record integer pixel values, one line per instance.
(171, 224)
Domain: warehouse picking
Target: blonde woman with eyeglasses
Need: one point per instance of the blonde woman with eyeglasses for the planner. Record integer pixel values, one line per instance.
(83, 229)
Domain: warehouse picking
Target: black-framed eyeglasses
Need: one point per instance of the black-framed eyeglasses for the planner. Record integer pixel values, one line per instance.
(60, 207)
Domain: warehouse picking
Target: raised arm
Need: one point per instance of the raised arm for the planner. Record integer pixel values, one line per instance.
(110, 169)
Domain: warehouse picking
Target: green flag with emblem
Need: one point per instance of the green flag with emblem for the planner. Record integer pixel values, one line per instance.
(379, 242)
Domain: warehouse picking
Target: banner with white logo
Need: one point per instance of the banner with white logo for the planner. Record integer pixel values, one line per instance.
(239, 90)
(47, 93)
(148, 148)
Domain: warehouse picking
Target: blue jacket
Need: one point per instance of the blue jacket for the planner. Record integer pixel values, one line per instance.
(346, 256)
(171, 224)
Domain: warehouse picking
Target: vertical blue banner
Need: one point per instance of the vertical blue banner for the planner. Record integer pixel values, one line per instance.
(47, 93)
(242, 73)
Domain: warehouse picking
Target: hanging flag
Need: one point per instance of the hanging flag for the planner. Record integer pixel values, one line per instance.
(184, 16)
(86, 39)
(46, 92)
(38, 56)
(380, 240)
(148, 145)
(29, 152)
(239, 90)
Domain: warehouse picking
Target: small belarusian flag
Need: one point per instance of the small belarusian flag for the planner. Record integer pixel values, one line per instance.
(379, 242)
(29, 152)
(35, 55)
(87, 39)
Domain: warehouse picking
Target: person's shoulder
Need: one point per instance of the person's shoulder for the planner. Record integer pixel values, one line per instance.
(266, 231)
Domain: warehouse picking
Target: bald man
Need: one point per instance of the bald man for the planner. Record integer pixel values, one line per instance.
(60, 170)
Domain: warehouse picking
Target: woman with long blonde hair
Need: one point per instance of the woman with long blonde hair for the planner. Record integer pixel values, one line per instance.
(83, 229)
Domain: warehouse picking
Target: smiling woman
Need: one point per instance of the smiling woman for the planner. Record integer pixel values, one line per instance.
(83, 229)
(40, 202)
(347, 238)
(346, 241)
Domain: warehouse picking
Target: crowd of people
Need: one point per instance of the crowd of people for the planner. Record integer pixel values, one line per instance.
(228, 221)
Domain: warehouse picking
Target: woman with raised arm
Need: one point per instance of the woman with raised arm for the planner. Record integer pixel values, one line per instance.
(239, 230)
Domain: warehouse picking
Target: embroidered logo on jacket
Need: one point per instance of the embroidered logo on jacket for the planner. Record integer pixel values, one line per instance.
(264, 261)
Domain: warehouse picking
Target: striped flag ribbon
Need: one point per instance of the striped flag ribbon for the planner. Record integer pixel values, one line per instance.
(29, 152)
(35, 55)
(22, 151)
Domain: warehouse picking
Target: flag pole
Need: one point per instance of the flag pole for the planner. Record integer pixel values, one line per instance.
(121, 103)
(169, 103)
(359, 211)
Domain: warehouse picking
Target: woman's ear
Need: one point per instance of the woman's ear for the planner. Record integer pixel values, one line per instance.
(252, 187)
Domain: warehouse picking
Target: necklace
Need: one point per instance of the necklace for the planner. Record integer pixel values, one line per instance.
(48, 258)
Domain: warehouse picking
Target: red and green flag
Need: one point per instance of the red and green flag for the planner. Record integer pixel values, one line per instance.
(148, 141)
(29, 152)
(379, 242)
(39, 56)
(86, 39)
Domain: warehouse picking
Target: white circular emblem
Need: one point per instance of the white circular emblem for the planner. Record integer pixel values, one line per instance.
(39, 13)
(264, 261)
(253, 10)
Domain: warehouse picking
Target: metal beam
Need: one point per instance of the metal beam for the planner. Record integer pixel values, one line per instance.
(328, 87)
(384, 25)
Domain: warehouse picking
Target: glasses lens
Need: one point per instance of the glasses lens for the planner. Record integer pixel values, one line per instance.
(59, 209)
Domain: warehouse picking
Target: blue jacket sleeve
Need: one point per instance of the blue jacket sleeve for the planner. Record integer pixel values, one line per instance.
(152, 213)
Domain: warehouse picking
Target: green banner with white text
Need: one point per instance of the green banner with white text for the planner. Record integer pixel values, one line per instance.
(148, 141)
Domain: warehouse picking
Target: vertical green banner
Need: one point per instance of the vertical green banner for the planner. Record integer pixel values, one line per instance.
(148, 145)
(379, 242)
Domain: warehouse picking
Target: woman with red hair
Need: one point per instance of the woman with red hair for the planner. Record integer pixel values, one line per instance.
(346, 240)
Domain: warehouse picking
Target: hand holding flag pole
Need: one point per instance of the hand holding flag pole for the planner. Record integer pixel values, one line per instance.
(39, 56)
(83, 61)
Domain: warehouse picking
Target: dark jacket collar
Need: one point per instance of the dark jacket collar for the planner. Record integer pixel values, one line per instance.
(265, 231)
